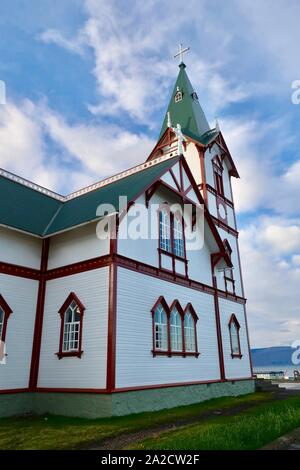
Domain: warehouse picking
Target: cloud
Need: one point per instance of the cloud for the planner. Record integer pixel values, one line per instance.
(272, 285)
(133, 68)
(52, 36)
(83, 153)
(101, 150)
(258, 156)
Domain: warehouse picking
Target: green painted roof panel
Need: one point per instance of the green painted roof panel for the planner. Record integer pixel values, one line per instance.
(31, 211)
(24, 208)
(83, 209)
(187, 112)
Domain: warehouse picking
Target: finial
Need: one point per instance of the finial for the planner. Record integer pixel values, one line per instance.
(217, 126)
(169, 119)
(180, 54)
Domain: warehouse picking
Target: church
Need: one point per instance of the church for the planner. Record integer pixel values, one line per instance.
(96, 321)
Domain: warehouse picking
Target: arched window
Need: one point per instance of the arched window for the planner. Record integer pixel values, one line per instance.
(165, 229)
(178, 236)
(160, 324)
(5, 312)
(71, 314)
(190, 331)
(234, 332)
(176, 329)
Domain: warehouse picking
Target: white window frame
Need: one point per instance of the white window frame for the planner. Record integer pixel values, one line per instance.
(71, 333)
(176, 330)
(189, 332)
(165, 230)
(178, 237)
(160, 329)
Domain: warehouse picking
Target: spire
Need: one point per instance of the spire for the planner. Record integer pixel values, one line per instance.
(184, 106)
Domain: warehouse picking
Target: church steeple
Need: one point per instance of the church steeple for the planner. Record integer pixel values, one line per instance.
(185, 109)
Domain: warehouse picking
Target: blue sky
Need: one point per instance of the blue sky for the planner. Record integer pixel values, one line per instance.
(88, 83)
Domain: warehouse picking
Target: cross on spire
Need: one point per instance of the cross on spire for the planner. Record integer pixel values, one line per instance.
(181, 52)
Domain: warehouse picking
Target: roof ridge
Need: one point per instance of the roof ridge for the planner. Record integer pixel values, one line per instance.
(106, 181)
(31, 185)
(118, 176)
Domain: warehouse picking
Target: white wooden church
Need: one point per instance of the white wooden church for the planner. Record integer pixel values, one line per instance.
(99, 327)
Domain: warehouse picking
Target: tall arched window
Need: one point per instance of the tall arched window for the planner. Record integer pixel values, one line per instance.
(71, 314)
(234, 332)
(176, 329)
(5, 312)
(165, 229)
(160, 320)
(190, 331)
(178, 233)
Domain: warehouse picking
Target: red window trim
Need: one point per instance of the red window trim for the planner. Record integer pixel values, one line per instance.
(171, 253)
(168, 352)
(60, 354)
(234, 320)
(7, 311)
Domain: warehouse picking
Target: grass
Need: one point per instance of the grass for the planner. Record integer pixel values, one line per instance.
(249, 430)
(57, 432)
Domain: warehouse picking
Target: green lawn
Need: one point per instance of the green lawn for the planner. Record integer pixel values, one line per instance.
(55, 432)
(247, 431)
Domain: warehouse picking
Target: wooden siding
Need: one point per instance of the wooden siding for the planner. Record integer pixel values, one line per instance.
(76, 245)
(135, 364)
(19, 248)
(21, 296)
(71, 372)
(234, 367)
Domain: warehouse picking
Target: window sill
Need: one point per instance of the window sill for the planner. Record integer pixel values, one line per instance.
(78, 354)
(169, 253)
(175, 353)
(236, 356)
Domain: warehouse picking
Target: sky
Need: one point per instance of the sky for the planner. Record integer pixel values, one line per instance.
(87, 86)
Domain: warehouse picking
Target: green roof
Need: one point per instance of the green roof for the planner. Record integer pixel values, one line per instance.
(32, 211)
(187, 112)
(24, 208)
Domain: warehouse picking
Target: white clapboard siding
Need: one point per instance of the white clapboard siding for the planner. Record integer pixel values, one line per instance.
(19, 248)
(21, 296)
(76, 245)
(71, 372)
(135, 365)
(192, 157)
(234, 367)
(146, 250)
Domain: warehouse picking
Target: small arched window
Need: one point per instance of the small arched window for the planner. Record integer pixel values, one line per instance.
(160, 327)
(71, 314)
(165, 229)
(5, 312)
(176, 329)
(190, 331)
(178, 236)
(234, 333)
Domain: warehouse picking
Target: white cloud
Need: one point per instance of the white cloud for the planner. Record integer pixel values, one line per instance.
(296, 260)
(272, 285)
(87, 152)
(101, 150)
(52, 36)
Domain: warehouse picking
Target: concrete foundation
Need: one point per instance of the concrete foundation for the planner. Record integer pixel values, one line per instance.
(90, 405)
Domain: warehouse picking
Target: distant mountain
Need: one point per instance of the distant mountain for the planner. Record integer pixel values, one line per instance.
(277, 355)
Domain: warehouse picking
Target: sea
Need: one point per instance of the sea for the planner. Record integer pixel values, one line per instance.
(287, 369)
